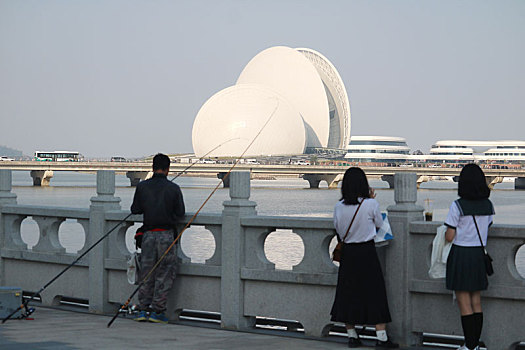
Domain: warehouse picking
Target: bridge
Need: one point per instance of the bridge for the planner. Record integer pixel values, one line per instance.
(42, 172)
(238, 287)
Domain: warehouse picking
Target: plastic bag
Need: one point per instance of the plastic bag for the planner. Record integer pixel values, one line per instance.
(133, 268)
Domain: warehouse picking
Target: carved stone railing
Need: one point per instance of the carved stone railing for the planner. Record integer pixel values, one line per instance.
(240, 281)
(503, 303)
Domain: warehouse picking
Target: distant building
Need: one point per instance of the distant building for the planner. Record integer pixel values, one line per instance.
(377, 149)
(295, 96)
(505, 151)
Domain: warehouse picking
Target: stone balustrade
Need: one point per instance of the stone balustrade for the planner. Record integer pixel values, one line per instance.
(240, 282)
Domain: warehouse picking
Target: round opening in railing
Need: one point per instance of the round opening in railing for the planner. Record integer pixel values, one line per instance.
(519, 260)
(284, 248)
(71, 236)
(198, 244)
(29, 232)
(130, 237)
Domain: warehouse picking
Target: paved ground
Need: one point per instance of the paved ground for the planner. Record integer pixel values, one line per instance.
(64, 330)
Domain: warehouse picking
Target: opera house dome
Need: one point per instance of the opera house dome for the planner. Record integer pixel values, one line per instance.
(291, 98)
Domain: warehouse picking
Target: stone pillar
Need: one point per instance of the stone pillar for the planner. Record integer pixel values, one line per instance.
(225, 179)
(232, 287)
(41, 177)
(98, 275)
(137, 176)
(313, 180)
(331, 180)
(519, 183)
(421, 179)
(6, 185)
(398, 258)
(493, 180)
(389, 179)
(6, 197)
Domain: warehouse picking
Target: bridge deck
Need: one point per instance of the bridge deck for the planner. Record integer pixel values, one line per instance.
(66, 330)
(272, 169)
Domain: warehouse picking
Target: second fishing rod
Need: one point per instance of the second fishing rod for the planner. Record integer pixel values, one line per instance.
(170, 247)
(32, 297)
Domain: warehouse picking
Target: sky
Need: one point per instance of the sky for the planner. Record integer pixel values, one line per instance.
(127, 78)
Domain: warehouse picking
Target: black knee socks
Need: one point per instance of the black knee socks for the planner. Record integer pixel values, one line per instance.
(472, 326)
(468, 322)
(478, 322)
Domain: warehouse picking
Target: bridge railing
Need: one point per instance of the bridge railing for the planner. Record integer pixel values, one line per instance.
(503, 303)
(241, 278)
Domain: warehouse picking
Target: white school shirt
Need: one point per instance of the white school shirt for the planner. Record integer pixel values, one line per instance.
(366, 221)
(466, 233)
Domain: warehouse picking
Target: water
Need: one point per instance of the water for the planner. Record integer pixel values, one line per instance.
(287, 197)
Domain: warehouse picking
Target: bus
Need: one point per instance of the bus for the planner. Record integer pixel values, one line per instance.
(57, 156)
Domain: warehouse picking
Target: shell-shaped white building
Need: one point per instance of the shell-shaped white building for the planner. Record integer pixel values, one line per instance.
(284, 101)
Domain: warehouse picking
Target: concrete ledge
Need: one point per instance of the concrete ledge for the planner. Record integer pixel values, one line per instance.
(497, 230)
(201, 219)
(494, 291)
(60, 212)
(52, 258)
(288, 222)
(322, 279)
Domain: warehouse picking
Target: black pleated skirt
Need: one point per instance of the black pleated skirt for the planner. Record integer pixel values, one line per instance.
(360, 297)
(466, 269)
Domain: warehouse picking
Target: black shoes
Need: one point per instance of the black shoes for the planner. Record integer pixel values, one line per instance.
(354, 342)
(386, 344)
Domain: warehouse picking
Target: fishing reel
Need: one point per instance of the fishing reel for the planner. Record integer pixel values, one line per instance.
(130, 310)
(26, 312)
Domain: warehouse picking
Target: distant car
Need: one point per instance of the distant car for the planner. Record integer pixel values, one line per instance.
(6, 159)
(118, 159)
(302, 162)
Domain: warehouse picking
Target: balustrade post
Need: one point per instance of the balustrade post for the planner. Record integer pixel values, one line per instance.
(232, 287)
(399, 257)
(6, 184)
(98, 276)
(6, 197)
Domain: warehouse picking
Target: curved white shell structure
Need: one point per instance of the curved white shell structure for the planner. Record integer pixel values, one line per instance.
(233, 117)
(302, 91)
(339, 105)
(291, 74)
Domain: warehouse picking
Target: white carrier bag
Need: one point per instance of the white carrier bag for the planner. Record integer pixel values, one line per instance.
(134, 268)
(440, 251)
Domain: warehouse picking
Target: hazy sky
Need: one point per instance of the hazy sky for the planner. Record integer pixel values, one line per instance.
(128, 77)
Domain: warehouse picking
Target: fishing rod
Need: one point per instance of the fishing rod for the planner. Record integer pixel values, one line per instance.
(32, 297)
(144, 280)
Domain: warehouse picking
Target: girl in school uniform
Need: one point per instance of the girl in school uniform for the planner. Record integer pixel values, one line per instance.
(360, 295)
(466, 272)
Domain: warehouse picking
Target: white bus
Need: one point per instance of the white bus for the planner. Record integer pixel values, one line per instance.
(57, 156)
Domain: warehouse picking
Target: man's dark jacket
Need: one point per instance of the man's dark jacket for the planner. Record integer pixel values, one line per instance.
(161, 202)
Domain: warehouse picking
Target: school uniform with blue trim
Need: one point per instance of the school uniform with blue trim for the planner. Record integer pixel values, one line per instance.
(465, 264)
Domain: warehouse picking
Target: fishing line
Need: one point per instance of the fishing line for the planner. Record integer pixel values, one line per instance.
(125, 305)
(32, 297)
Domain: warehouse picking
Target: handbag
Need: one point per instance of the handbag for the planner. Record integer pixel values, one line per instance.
(336, 254)
(487, 259)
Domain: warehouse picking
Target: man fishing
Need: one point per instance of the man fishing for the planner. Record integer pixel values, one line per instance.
(161, 202)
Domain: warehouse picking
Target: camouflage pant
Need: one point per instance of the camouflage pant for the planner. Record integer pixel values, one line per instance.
(154, 292)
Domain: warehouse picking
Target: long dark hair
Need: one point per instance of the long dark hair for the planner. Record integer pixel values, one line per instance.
(355, 185)
(472, 183)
